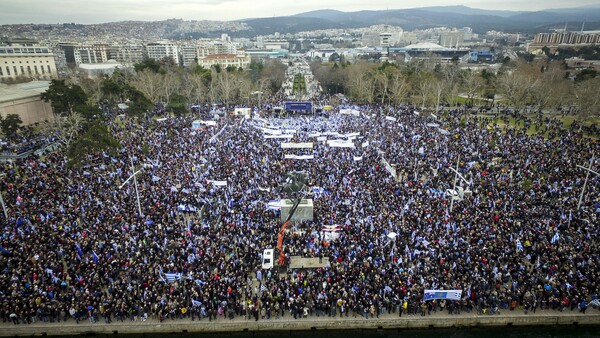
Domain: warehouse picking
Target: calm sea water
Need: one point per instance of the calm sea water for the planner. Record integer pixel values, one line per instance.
(505, 332)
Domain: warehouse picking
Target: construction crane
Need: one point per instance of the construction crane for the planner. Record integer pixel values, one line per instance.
(281, 232)
(294, 183)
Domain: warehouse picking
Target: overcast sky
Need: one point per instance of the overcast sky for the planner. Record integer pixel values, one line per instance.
(98, 11)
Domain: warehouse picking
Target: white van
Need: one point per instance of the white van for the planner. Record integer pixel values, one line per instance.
(267, 258)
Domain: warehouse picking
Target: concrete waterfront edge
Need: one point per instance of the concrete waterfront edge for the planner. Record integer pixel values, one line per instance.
(305, 324)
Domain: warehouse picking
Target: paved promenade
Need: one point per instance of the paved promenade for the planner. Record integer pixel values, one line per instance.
(288, 323)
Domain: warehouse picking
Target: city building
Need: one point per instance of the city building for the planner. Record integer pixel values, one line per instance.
(24, 100)
(28, 62)
(96, 53)
(568, 38)
(93, 70)
(238, 60)
(452, 39)
(189, 55)
(481, 56)
(257, 54)
(163, 49)
(429, 51)
(128, 54)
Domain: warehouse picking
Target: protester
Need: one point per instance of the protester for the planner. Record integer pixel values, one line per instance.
(75, 242)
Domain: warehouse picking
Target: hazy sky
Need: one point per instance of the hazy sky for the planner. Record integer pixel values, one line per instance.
(98, 11)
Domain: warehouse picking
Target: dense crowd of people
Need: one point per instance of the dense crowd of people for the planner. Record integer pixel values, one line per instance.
(75, 246)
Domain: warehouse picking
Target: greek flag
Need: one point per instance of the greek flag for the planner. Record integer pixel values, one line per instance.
(95, 257)
(196, 303)
(442, 294)
(519, 245)
(274, 205)
(78, 248)
(555, 238)
(171, 276)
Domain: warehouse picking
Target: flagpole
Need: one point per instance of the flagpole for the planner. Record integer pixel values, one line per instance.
(137, 194)
(587, 175)
(454, 187)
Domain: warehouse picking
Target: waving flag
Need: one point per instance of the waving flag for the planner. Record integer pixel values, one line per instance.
(519, 245)
(171, 276)
(78, 248)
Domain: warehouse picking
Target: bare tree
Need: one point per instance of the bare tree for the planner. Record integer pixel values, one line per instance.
(399, 87)
(587, 96)
(471, 82)
(65, 128)
(149, 83)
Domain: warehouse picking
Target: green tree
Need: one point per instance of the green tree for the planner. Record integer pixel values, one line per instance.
(149, 64)
(585, 74)
(64, 98)
(178, 105)
(10, 125)
(97, 138)
(139, 104)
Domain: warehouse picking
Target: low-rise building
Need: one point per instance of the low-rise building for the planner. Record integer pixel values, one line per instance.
(239, 60)
(28, 62)
(24, 99)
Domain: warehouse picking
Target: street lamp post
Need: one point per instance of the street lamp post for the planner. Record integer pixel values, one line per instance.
(3, 205)
(587, 175)
(137, 194)
(454, 186)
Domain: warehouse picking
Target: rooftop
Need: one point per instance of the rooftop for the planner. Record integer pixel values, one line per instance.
(22, 90)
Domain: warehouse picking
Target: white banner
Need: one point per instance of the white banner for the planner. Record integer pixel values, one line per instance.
(218, 183)
(390, 118)
(322, 138)
(358, 158)
(340, 144)
(286, 136)
(305, 145)
(271, 131)
(298, 157)
(365, 144)
(353, 112)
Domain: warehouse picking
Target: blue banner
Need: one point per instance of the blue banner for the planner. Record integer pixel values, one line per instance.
(442, 294)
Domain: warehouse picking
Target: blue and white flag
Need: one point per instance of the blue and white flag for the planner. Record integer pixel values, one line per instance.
(519, 245)
(171, 276)
(274, 205)
(555, 238)
(78, 248)
(442, 294)
(196, 303)
(95, 257)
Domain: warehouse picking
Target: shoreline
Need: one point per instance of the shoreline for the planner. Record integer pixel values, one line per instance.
(288, 323)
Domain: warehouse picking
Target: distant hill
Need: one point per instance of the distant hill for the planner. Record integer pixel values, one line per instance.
(479, 20)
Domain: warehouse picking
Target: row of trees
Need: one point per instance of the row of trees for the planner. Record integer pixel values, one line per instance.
(175, 87)
(79, 124)
(544, 85)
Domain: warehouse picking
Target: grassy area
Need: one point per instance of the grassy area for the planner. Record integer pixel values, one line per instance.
(567, 121)
(463, 101)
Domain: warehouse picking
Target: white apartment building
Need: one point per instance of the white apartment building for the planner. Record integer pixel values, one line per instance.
(97, 53)
(128, 54)
(32, 62)
(163, 49)
(189, 55)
